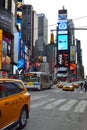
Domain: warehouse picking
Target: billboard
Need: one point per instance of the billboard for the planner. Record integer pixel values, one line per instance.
(6, 62)
(62, 70)
(16, 47)
(73, 68)
(62, 14)
(19, 15)
(62, 27)
(72, 53)
(4, 47)
(63, 59)
(62, 42)
(19, 4)
(1, 34)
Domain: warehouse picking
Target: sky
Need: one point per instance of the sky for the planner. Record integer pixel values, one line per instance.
(76, 10)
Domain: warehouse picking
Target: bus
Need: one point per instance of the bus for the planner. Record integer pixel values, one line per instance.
(37, 80)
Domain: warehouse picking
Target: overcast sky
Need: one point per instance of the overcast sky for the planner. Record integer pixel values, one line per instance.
(77, 10)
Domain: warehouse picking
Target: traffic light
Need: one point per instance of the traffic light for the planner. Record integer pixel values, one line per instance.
(52, 38)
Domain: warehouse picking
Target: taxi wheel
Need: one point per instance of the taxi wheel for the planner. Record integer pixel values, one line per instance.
(23, 118)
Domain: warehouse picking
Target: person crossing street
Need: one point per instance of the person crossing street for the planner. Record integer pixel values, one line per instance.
(85, 85)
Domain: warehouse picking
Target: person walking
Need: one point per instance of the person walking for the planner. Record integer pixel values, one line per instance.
(81, 85)
(85, 85)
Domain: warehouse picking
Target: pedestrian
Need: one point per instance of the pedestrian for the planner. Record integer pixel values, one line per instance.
(85, 85)
(81, 85)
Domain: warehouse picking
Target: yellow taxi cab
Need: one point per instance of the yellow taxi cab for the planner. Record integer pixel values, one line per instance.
(59, 85)
(68, 87)
(76, 85)
(14, 104)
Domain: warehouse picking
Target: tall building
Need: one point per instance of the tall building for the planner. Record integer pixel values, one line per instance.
(79, 52)
(35, 35)
(80, 68)
(71, 32)
(27, 25)
(51, 56)
(7, 25)
(42, 33)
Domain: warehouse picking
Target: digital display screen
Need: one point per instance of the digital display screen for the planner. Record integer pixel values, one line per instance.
(63, 59)
(62, 42)
(4, 46)
(62, 25)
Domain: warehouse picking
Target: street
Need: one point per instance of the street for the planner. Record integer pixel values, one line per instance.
(54, 109)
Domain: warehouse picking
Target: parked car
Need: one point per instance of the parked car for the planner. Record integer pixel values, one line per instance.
(14, 104)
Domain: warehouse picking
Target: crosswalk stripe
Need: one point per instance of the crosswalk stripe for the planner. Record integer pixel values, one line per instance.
(53, 104)
(67, 106)
(57, 90)
(38, 97)
(36, 105)
(61, 91)
(81, 92)
(81, 106)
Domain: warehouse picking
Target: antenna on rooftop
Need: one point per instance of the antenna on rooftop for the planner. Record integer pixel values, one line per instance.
(63, 7)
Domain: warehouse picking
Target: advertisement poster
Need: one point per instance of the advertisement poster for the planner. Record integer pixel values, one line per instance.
(62, 42)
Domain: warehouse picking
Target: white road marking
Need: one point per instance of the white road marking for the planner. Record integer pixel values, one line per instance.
(38, 97)
(81, 106)
(53, 104)
(57, 90)
(67, 106)
(81, 92)
(36, 105)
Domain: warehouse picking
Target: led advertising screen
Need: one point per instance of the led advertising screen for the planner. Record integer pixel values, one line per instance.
(62, 27)
(72, 53)
(62, 14)
(1, 34)
(19, 5)
(73, 68)
(4, 47)
(63, 59)
(62, 42)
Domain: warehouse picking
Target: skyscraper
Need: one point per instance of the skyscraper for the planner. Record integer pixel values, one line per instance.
(42, 33)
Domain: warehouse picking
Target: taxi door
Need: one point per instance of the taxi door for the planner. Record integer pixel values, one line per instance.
(6, 113)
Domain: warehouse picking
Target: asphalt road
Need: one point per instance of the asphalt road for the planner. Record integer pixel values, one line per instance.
(54, 109)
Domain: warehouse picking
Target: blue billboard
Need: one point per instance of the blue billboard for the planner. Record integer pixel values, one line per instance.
(62, 27)
(62, 42)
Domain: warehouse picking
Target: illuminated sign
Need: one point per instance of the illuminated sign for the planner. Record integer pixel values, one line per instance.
(4, 46)
(63, 32)
(19, 5)
(72, 53)
(62, 42)
(19, 14)
(62, 14)
(6, 62)
(63, 59)
(1, 33)
(62, 69)
(62, 25)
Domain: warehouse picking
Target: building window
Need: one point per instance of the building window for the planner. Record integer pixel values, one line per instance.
(9, 5)
(2, 3)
